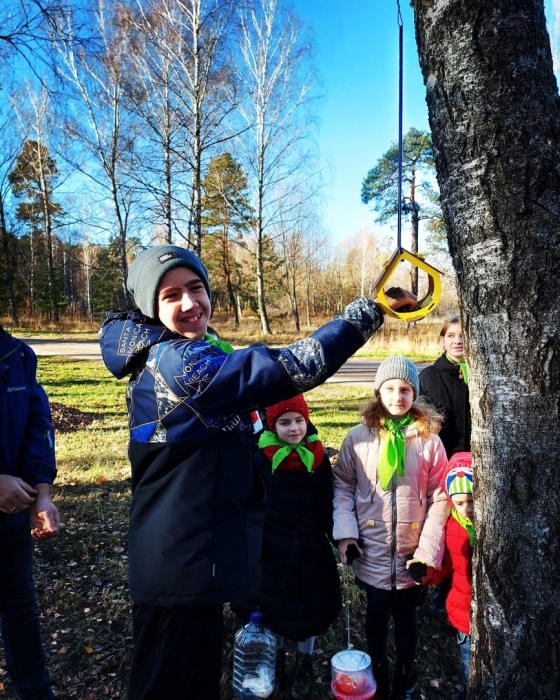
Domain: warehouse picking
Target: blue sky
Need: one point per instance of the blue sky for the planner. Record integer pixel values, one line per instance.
(357, 58)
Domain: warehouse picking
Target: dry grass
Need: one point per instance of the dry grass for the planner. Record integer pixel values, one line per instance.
(418, 341)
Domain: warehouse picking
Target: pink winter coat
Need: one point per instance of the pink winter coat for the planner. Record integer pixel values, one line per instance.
(392, 525)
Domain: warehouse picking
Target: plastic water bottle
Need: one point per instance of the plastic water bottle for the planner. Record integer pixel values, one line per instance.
(254, 660)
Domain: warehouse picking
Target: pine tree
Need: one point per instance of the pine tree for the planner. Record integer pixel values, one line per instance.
(380, 189)
(226, 215)
(33, 178)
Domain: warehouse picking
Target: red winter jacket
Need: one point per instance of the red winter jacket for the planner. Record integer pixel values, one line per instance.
(457, 564)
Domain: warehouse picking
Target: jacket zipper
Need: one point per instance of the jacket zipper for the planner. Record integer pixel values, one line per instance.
(394, 531)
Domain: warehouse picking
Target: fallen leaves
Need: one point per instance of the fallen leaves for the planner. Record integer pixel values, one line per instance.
(65, 418)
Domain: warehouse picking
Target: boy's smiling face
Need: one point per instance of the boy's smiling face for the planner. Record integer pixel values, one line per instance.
(291, 427)
(183, 303)
(463, 504)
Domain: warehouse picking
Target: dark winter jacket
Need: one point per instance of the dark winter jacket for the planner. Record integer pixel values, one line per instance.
(197, 508)
(26, 432)
(443, 385)
(299, 593)
(457, 565)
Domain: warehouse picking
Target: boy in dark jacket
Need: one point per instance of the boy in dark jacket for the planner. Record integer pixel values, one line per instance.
(197, 507)
(27, 465)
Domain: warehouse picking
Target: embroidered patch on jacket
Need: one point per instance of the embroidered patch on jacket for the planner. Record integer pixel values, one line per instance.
(365, 315)
(304, 362)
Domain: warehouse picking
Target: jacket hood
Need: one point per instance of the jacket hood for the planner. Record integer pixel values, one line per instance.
(126, 337)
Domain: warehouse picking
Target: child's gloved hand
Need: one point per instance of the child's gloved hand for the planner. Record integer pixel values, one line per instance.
(417, 570)
(348, 550)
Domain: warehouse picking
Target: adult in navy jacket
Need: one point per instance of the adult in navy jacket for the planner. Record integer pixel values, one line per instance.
(197, 509)
(27, 469)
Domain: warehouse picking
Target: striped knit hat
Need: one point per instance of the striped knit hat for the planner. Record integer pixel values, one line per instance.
(459, 477)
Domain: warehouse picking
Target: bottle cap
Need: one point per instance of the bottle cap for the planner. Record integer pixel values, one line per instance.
(256, 618)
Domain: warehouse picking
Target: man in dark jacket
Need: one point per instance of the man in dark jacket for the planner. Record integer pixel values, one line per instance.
(27, 466)
(197, 507)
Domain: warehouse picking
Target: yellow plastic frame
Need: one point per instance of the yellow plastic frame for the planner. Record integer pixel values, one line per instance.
(425, 305)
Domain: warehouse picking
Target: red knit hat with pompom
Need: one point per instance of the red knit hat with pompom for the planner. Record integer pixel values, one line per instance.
(297, 405)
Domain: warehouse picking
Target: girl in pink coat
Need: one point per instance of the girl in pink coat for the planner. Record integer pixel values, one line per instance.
(390, 514)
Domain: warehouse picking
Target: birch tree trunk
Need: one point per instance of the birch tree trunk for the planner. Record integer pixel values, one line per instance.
(495, 120)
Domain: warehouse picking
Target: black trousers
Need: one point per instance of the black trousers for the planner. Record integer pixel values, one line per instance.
(19, 616)
(402, 606)
(177, 653)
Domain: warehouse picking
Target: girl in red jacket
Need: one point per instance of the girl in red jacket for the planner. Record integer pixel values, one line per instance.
(459, 547)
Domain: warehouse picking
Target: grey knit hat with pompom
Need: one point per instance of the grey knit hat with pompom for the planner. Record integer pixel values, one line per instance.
(397, 367)
(146, 272)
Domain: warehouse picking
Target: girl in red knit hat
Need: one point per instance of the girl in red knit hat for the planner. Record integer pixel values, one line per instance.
(299, 595)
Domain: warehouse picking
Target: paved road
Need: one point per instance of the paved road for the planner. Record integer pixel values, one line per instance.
(355, 371)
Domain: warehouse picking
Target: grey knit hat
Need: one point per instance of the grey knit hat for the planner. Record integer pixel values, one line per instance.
(397, 367)
(146, 272)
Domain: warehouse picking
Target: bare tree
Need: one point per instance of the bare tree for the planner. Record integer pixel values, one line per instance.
(183, 68)
(99, 117)
(35, 176)
(366, 255)
(277, 80)
(25, 35)
(89, 258)
(495, 120)
(292, 231)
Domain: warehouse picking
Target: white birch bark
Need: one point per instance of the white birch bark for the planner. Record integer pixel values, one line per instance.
(495, 119)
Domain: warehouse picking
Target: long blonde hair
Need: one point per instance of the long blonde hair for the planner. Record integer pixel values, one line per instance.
(427, 419)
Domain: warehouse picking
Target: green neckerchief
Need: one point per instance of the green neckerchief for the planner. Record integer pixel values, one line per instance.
(467, 524)
(268, 438)
(226, 347)
(463, 366)
(392, 450)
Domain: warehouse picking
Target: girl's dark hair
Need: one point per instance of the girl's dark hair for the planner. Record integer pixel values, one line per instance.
(449, 322)
(427, 419)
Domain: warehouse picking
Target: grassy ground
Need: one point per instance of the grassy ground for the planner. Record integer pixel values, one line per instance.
(82, 574)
